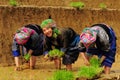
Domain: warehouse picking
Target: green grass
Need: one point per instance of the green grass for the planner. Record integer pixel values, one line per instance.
(13, 2)
(79, 5)
(103, 6)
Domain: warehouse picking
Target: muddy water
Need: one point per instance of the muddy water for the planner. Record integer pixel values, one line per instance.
(45, 70)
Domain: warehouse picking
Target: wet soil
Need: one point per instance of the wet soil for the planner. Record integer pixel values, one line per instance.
(45, 70)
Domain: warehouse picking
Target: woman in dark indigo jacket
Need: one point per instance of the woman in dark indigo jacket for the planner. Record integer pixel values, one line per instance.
(30, 39)
(100, 40)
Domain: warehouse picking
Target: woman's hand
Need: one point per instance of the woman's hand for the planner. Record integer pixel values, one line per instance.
(46, 57)
(86, 60)
(87, 63)
(102, 59)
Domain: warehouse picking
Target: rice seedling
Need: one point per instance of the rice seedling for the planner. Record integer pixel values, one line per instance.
(95, 62)
(56, 53)
(91, 71)
(62, 75)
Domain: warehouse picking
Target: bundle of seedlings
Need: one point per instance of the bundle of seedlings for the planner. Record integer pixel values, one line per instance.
(90, 72)
(62, 75)
(95, 62)
(55, 53)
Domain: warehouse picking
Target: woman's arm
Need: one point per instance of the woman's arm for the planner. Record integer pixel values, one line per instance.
(85, 58)
(15, 48)
(30, 51)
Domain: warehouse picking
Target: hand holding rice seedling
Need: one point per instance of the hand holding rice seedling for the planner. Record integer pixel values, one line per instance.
(56, 53)
(91, 71)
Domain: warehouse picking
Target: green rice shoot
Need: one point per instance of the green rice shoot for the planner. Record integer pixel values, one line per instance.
(95, 62)
(90, 71)
(56, 53)
(62, 75)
